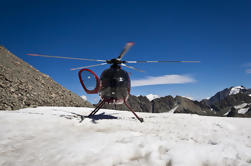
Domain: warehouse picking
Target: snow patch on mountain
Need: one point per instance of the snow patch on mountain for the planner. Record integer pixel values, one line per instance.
(63, 136)
(236, 90)
(173, 109)
(243, 110)
(226, 114)
(152, 97)
(240, 106)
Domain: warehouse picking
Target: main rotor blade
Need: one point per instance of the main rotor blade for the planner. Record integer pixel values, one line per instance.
(127, 47)
(61, 57)
(131, 67)
(88, 66)
(161, 61)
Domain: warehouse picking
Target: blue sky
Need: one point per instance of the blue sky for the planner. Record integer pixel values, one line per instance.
(215, 32)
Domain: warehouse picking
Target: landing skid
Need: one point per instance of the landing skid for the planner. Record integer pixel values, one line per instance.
(100, 105)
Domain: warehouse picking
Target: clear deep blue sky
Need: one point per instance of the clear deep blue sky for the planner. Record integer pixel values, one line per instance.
(215, 32)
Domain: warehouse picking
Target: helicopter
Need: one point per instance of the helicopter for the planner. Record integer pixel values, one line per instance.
(114, 84)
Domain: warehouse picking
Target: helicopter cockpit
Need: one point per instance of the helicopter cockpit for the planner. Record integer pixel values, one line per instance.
(114, 83)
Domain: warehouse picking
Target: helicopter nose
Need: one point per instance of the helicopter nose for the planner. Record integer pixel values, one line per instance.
(113, 83)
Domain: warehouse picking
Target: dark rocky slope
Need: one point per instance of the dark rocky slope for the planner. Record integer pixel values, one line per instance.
(140, 104)
(22, 86)
(164, 104)
(228, 102)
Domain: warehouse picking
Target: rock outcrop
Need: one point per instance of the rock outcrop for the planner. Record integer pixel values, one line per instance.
(21, 86)
(228, 102)
(140, 104)
(231, 102)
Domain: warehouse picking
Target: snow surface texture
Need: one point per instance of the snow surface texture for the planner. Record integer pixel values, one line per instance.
(152, 97)
(235, 90)
(58, 136)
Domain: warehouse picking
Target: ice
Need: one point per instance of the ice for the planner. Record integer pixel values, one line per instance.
(57, 136)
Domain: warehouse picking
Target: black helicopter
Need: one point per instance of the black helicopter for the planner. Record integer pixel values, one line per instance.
(114, 84)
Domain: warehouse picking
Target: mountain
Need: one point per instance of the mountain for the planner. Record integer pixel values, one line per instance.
(228, 102)
(226, 93)
(233, 102)
(164, 104)
(21, 85)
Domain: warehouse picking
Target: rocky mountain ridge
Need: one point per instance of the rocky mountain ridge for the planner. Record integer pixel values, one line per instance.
(233, 102)
(21, 86)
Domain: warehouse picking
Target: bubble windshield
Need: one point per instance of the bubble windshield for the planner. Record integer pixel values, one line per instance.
(89, 80)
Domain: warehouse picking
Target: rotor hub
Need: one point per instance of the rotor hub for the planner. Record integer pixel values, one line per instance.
(115, 61)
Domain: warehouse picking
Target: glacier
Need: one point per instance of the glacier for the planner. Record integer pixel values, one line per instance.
(63, 136)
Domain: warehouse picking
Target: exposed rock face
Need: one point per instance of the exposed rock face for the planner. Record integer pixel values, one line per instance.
(189, 106)
(163, 104)
(140, 104)
(22, 86)
(232, 102)
(228, 92)
(226, 103)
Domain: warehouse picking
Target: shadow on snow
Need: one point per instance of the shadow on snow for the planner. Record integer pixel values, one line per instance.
(94, 118)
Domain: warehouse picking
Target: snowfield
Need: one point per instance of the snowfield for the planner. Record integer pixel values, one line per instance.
(60, 136)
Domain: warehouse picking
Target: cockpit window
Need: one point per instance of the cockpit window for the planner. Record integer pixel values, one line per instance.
(89, 81)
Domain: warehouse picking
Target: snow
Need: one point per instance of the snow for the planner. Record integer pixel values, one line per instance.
(226, 114)
(235, 90)
(57, 136)
(84, 97)
(173, 109)
(249, 95)
(243, 110)
(152, 97)
(240, 106)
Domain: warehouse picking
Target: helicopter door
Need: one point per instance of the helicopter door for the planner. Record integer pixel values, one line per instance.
(89, 81)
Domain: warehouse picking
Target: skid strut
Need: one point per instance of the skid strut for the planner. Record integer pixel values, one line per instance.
(97, 108)
(140, 119)
(100, 105)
